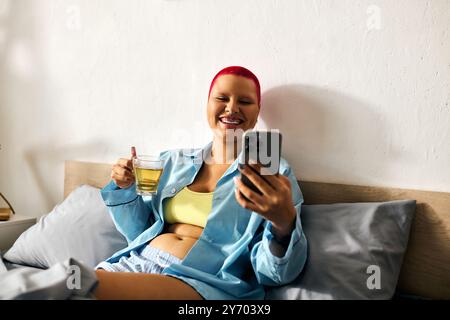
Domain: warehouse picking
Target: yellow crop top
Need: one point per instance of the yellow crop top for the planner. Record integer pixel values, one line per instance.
(189, 207)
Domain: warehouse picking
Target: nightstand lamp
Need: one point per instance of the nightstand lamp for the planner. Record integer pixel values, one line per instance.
(5, 213)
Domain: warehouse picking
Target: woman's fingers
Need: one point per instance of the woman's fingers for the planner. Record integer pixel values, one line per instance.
(244, 203)
(248, 193)
(264, 186)
(122, 176)
(125, 163)
(122, 172)
(273, 180)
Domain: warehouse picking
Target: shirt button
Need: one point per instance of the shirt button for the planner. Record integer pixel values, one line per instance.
(173, 190)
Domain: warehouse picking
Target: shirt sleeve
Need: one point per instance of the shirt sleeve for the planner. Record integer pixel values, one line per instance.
(130, 213)
(271, 270)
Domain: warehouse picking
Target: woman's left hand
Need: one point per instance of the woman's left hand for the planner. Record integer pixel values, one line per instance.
(275, 202)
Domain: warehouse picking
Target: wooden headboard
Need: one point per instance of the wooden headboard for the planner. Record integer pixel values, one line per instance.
(426, 266)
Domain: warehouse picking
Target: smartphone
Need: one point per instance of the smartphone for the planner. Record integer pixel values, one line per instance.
(263, 147)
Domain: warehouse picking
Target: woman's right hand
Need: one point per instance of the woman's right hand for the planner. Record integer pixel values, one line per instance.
(122, 172)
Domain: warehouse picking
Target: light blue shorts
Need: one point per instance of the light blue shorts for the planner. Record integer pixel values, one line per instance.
(148, 260)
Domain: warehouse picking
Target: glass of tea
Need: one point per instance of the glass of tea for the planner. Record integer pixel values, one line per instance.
(147, 171)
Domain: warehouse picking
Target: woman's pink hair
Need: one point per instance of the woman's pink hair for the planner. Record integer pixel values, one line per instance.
(238, 71)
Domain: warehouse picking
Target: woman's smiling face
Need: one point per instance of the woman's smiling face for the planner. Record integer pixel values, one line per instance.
(233, 104)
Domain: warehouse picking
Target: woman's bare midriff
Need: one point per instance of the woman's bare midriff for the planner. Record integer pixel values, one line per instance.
(177, 239)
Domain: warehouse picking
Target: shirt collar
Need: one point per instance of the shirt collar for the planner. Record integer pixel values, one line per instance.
(199, 154)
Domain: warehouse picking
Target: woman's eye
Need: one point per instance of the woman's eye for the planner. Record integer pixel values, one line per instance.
(221, 98)
(246, 102)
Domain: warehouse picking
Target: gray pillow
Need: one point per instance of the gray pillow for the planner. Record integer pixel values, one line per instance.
(50, 284)
(80, 228)
(355, 251)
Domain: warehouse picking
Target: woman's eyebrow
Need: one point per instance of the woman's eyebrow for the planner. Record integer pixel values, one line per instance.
(246, 97)
(221, 93)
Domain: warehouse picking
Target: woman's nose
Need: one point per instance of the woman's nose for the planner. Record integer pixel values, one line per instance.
(232, 106)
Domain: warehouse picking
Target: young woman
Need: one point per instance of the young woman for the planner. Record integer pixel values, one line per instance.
(199, 238)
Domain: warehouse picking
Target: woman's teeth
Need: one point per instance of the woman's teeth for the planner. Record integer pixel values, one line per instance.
(231, 121)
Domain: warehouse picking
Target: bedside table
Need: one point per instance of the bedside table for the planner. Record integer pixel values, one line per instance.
(10, 230)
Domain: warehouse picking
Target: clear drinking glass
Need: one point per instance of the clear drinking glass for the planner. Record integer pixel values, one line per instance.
(147, 171)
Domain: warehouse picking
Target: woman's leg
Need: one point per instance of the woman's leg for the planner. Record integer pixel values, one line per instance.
(142, 286)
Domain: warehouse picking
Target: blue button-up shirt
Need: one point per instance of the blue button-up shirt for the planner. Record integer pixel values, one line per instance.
(232, 258)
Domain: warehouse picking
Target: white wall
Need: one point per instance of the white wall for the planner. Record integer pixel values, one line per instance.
(359, 88)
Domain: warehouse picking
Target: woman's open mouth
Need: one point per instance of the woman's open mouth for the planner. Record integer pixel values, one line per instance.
(230, 122)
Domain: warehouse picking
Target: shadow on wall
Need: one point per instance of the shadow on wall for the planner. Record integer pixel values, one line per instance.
(50, 158)
(23, 101)
(327, 136)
